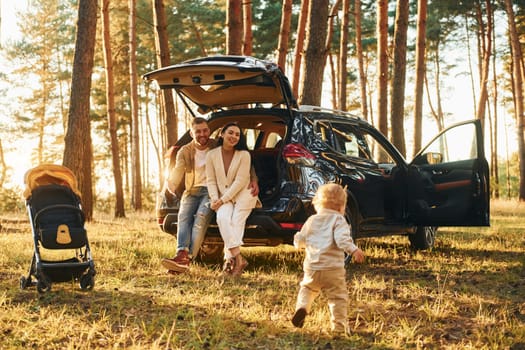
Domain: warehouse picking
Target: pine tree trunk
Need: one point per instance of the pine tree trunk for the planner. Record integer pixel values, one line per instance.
(299, 44)
(110, 102)
(397, 110)
(485, 31)
(247, 43)
(163, 60)
(284, 34)
(315, 55)
(360, 63)
(382, 66)
(518, 93)
(495, 166)
(420, 73)
(343, 55)
(136, 174)
(234, 28)
(329, 55)
(78, 153)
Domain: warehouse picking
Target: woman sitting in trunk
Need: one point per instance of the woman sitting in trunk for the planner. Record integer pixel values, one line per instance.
(228, 177)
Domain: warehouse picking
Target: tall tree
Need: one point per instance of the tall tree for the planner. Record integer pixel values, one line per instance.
(397, 109)
(247, 43)
(382, 65)
(343, 55)
(78, 151)
(110, 98)
(163, 60)
(328, 51)
(517, 75)
(299, 44)
(284, 34)
(234, 28)
(360, 60)
(136, 195)
(485, 33)
(420, 72)
(315, 55)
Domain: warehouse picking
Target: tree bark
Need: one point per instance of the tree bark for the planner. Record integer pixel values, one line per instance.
(328, 52)
(315, 56)
(420, 73)
(247, 44)
(163, 60)
(136, 194)
(110, 101)
(518, 93)
(234, 28)
(299, 45)
(284, 34)
(397, 109)
(78, 153)
(486, 51)
(382, 66)
(495, 166)
(343, 55)
(360, 63)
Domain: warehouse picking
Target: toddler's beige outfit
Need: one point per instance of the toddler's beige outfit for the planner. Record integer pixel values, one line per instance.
(326, 237)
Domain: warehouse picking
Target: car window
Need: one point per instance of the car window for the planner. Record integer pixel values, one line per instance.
(456, 144)
(354, 142)
(251, 137)
(272, 140)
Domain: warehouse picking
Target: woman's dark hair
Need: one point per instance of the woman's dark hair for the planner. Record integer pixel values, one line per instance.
(241, 145)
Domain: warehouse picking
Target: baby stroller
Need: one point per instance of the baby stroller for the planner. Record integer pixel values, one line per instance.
(57, 223)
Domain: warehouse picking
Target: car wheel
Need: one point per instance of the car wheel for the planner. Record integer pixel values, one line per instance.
(211, 252)
(423, 238)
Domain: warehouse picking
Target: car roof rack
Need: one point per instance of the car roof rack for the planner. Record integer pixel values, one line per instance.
(310, 108)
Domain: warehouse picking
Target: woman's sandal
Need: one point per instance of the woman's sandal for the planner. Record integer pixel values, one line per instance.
(228, 266)
(239, 265)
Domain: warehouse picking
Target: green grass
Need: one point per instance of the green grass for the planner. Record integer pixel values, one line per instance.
(466, 293)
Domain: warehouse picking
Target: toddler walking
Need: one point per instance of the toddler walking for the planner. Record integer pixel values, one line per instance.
(326, 237)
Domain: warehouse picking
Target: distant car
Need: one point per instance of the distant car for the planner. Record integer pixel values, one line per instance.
(296, 149)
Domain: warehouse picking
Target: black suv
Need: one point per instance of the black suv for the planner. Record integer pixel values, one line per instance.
(295, 149)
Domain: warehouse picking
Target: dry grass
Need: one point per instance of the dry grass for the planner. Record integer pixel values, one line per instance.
(467, 293)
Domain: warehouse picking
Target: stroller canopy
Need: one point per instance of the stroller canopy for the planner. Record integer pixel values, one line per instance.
(46, 174)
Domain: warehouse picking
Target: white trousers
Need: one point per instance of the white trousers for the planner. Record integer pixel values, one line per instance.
(231, 221)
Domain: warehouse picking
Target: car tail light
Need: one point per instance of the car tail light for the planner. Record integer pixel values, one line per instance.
(296, 153)
(291, 225)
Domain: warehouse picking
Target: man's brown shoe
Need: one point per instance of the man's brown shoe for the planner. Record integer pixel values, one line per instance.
(180, 263)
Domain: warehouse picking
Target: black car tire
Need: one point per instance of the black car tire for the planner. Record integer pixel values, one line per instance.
(423, 238)
(211, 252)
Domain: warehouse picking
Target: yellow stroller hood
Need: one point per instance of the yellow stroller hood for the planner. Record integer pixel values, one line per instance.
(46, 174)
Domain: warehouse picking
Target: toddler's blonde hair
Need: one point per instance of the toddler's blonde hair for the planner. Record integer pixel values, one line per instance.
(330, 196)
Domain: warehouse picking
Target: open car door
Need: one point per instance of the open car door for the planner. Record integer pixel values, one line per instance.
(449, 179)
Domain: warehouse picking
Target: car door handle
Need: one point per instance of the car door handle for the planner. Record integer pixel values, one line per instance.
(437, 172)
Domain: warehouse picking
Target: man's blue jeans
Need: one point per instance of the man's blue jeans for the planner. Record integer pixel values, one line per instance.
(193, 219)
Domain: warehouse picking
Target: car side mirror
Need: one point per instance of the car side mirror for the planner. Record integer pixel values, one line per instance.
(434, 158)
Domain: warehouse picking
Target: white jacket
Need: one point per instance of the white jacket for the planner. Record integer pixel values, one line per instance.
(326, 237)
(231, 187)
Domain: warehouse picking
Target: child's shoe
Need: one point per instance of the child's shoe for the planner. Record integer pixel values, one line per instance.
(298, 317)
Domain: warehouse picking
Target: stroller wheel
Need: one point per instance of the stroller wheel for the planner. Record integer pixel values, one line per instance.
(87, 282)
(24, 282)
(43, 285)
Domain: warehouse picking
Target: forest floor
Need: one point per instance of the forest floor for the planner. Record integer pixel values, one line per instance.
(466, 293)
